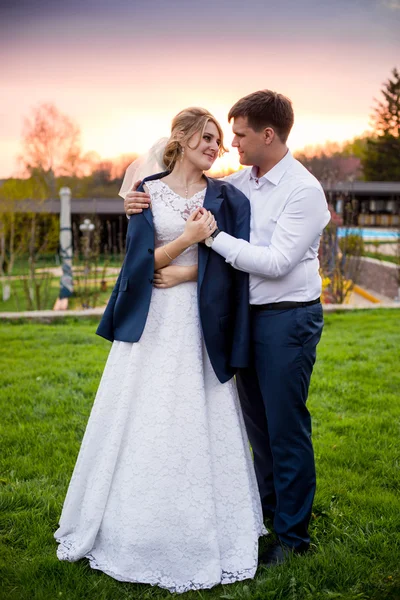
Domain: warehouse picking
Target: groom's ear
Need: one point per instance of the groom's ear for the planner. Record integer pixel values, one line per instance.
(269, 135)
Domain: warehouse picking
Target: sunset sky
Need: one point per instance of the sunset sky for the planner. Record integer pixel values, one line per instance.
(122, 69)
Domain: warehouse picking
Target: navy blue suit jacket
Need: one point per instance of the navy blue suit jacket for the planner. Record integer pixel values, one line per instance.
(223, 292)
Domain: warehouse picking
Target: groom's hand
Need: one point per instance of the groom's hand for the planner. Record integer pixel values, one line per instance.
(135, 202)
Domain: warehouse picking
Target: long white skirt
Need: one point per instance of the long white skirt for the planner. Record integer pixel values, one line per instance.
(164, 490)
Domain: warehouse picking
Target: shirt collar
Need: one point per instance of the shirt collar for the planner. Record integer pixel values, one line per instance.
(275, 174)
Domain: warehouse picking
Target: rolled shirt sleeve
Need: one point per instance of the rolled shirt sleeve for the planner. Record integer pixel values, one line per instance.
(301, 222)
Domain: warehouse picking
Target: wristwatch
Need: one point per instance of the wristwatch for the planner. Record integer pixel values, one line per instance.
(209, 241)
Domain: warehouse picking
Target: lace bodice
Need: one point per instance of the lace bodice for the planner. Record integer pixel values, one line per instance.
(170, 212)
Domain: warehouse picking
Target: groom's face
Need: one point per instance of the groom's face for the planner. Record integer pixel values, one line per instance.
(250, 143)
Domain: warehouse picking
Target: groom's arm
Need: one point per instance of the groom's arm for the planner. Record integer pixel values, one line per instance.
(301, 222)
(135, 202)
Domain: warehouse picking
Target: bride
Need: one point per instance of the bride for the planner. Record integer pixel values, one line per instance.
(163, 490)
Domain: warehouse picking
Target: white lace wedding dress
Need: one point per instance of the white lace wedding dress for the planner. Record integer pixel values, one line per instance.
(164, 490)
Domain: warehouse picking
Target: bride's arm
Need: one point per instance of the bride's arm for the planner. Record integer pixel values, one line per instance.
(174, 275)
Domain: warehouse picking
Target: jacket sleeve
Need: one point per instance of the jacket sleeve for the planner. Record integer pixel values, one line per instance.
(241, 333)
(106, 326)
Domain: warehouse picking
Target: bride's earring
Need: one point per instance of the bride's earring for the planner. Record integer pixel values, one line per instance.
(182, 153)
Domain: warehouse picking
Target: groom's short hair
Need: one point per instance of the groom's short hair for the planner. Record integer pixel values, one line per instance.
(265, 109)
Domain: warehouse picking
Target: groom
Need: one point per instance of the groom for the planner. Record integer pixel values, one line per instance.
(289, 212)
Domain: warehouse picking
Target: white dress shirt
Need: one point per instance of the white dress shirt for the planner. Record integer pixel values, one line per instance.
(288, 213)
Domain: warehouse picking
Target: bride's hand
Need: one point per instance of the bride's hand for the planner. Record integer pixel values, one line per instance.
(199, 226)
(174, 275)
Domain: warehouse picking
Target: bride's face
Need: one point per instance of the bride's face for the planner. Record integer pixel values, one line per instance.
(203, 152)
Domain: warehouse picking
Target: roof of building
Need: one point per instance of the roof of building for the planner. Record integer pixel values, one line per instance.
(79, 206)
(115, 206)
(382, 188)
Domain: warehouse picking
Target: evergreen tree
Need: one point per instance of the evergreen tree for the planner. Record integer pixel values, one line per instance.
(386, 118)
(381, 161)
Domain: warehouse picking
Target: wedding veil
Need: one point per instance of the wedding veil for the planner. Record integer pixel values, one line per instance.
(147, 164)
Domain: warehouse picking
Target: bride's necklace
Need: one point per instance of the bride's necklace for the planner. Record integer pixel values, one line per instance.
(188, 185)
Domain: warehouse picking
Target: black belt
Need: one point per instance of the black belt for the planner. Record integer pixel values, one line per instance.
(283, 305)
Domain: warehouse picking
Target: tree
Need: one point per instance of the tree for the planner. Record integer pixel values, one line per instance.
(13, 224)
(381, 160)
(332, 161)
(386, 119)
(51, 145)
(27, 234)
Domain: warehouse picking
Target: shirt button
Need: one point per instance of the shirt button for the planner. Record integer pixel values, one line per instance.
(150, 280)
(150, 251)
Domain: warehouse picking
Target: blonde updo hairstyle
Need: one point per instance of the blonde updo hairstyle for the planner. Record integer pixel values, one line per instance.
(186, 123)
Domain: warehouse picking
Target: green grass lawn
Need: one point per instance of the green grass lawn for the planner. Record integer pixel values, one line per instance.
(49, 288)
(52, 260)
(385, 257)
(49, 375)
(49, 291)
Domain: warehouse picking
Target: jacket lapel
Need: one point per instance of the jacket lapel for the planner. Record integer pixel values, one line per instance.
(212, 202)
